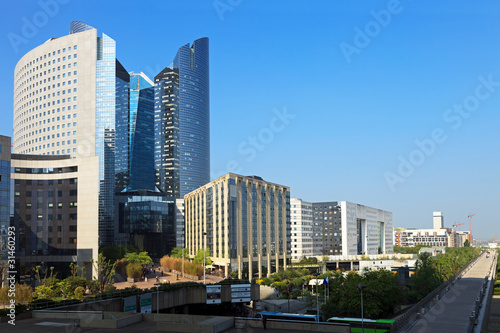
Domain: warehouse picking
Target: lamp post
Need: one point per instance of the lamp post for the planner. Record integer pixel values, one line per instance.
(157, 297)
(361, 287)
(183, 263)
(204, 255)
(317, 300)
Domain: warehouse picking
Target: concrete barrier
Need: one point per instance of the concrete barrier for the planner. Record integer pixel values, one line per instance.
(189, 323)
(113, 320)
(296, 326)
(52, 314)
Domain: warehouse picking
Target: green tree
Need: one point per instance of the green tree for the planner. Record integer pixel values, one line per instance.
(466, 243)
(203, 255)
(141, 258)
(134, 270)
(425, 279)
(116, 252)
(105, 271)
(177, 252)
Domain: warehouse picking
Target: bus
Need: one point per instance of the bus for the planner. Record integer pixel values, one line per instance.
(289, 316)
(369, 325)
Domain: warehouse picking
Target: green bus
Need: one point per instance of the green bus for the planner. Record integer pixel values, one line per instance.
(369, 325)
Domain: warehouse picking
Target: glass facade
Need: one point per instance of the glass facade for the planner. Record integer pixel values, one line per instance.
(167, 166)
(105, 134)
(148, 220)
(192, 97)
(141, 132)
(134, 132)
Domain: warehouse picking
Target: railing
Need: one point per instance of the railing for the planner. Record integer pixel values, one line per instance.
(409, 317)
(492, 273)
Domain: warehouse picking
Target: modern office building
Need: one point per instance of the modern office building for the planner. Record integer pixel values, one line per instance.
(301, 223)
(146, 220)
(438, 236)
(244, 221)
(180, 229)
(365, 230)
(428, 237)
(65, 95)
(134, 161)
(327, 239)
(182, 121)
(340, 228)
(55, 210)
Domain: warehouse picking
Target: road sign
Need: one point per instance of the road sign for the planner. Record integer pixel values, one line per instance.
(241, 293)
(213, 294)
(146, 303)
(130, 304)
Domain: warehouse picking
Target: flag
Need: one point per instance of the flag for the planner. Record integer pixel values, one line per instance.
(325, 281)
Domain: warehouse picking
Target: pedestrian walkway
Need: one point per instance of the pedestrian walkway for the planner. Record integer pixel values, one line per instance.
(452, 312)
(166, 277)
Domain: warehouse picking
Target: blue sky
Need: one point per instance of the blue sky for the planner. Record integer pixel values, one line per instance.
(391, 104)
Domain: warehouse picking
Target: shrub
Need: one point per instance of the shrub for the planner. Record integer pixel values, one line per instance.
(79, 292)
(24, 294)
(69, 285)
(93, 286)
(109, 288)
(134, 270)
(176, 264)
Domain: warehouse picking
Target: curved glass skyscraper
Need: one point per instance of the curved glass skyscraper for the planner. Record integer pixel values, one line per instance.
(182, 121)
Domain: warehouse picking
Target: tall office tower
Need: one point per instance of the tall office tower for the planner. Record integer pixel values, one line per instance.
(65, 94)
(182, 121)
(301, 229)
(134, 162)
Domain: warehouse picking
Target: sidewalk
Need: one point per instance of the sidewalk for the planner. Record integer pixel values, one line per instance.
(166, 278)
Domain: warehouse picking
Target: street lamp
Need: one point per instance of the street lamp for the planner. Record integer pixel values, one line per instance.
(317, 300)
(157, 297)
(183, 249)
(204, 255)
(361, 287)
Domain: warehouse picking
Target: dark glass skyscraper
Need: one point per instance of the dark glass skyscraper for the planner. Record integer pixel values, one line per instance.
(182, 121)
(135, 133)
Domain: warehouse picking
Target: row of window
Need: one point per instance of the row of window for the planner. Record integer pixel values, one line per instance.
(50, 204)
(72, 228)
(37, 60)
(50, 217)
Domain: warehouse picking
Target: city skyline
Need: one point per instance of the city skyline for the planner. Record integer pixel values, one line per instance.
(391, 105)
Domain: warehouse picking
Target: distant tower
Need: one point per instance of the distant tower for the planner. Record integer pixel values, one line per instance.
(438, 220)
(182, 121)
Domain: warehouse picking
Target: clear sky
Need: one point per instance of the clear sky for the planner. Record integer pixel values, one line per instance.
(390, 104)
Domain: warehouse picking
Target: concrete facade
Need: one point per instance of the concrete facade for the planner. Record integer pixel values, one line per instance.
(55, 210)
(301, 229)
(365, 230)
(244, 221)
